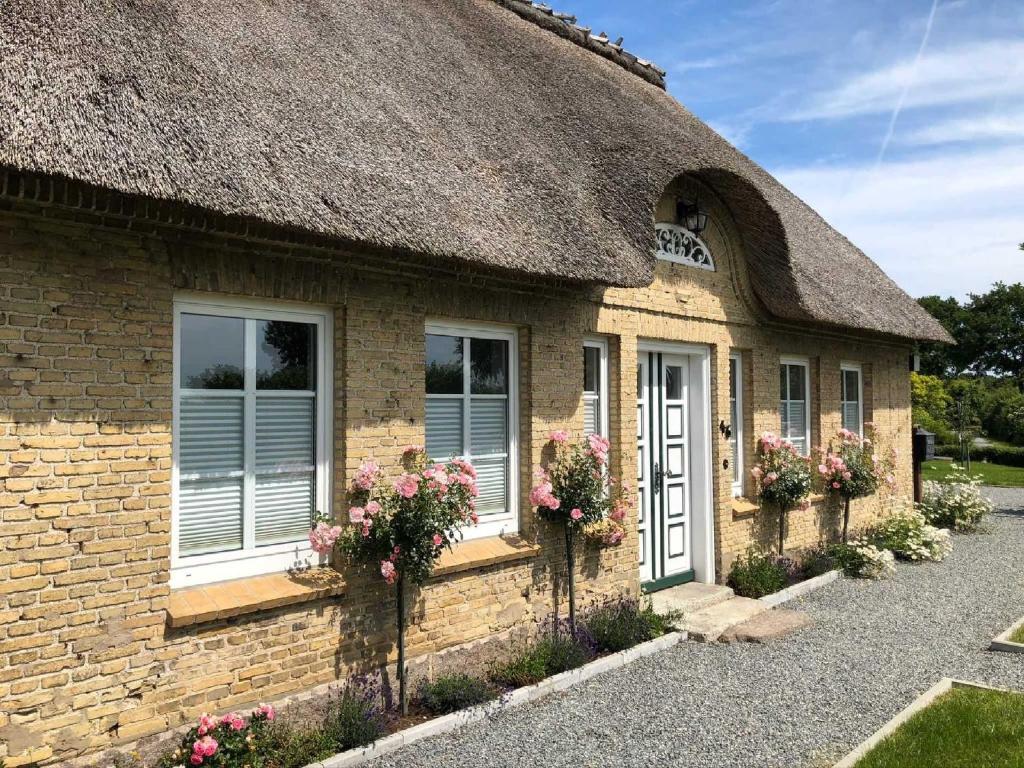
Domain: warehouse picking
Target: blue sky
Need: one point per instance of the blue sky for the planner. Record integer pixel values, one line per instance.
(900, 121)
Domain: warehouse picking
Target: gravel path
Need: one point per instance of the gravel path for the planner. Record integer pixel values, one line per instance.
(799, 702)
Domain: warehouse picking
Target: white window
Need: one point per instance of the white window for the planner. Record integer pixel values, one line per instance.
(595, 387)
(736, 421)
(252, 405)
(852, 397)
(795, 403)
(471, 413)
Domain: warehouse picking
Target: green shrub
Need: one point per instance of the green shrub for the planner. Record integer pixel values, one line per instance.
(956, 504)
(451, 693)
(815, 561)
(554, 653)
(624, 623)
(757, 574)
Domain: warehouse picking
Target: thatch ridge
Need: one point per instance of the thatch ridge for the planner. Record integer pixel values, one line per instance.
(453, 129)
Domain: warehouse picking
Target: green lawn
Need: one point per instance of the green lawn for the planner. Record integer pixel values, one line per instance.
(992, 474)
(965, 728)
(1018, 636)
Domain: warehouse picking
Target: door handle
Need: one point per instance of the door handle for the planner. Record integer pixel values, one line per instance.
(659, 478)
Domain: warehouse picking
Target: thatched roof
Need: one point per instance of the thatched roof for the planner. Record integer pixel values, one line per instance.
(480, 130)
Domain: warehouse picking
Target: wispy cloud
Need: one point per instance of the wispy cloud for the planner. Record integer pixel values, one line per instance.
(945, 224)
(969, 73)
(1001, 126)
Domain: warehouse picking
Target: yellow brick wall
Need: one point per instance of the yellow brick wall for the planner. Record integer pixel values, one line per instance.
(86, 657)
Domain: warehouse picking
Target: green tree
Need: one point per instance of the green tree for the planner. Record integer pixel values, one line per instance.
(947, 360)
(995, 328)
(931, 404)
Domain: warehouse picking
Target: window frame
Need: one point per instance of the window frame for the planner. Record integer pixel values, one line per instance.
(805, 363)
(194, 570)
(844, 368)
(509, 522)
(601, 344)
(737, 427)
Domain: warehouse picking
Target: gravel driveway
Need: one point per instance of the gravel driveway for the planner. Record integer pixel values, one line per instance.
(798, 702)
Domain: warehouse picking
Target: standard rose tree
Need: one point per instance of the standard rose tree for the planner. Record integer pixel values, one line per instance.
(576, 491)
(783, 478)
(402, 528)
(851, 470)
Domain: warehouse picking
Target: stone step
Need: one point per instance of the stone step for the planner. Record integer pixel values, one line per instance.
(708, 624)
(690, 598)
(766, 626)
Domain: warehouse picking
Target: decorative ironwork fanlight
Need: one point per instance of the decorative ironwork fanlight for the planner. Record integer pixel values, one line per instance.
(680, 243)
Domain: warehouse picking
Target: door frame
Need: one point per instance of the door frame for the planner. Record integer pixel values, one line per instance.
(702, 501)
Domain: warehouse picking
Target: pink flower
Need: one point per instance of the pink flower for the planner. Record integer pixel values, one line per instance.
(407, 485)
(474, 518)
(412, 450)
(205, 747)
(599, 448)
(235, 720)
(367, 475)
(576, 514)
(465, 466)
(847, 475)
(835, 485)
(757, 472)
(541, 496)
(437, 540)
(356, 514)
(267, 711)
(822, 469)
(372, 508)
(387, 570)
(195, 758)
(559, 436)
(323, 537)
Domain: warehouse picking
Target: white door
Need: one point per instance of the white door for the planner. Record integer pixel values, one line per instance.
(664, 468)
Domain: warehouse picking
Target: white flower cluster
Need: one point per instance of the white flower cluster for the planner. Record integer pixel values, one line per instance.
(957, 504)
(867, 561)
(909, 536)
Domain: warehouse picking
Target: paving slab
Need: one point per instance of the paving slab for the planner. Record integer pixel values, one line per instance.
(708, 624)
(767, 626)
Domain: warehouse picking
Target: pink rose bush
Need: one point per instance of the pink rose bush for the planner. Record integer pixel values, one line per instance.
(225, 742)
(782, 478)
(575, 489)
(402, 527)
(849, 469)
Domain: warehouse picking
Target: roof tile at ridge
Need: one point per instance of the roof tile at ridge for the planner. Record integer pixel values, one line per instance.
(601, 44)
(455, 129)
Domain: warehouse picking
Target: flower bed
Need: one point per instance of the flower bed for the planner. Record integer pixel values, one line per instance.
(362, 721)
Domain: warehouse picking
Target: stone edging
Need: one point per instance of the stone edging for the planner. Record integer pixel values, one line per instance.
(518, 697)
(1002, 641)
(945, 685)
(799, 590)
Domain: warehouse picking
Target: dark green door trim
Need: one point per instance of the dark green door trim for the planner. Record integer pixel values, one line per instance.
(668, 581)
